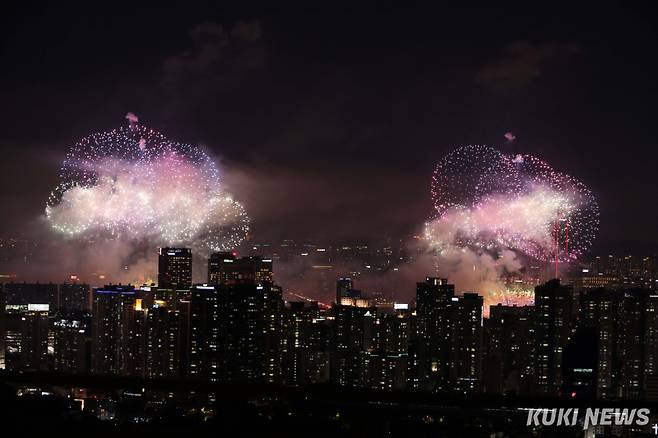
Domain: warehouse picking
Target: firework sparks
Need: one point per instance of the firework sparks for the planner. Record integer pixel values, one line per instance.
(132, 119)
(133, 183)
(488, 202)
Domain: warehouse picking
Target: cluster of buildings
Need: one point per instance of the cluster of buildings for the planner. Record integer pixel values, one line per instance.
(577, 340)
(614, 271)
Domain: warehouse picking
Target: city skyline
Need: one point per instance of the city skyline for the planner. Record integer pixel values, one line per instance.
(180, 269)
(308, 270)
(399, 221)
(238, 327)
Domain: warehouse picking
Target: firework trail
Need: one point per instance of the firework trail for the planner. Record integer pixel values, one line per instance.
(488, 202)
(134, 184)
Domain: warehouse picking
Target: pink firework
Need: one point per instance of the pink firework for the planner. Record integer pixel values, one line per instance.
(490, 201)
(133, 183)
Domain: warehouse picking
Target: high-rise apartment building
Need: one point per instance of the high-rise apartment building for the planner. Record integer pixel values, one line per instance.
(118, 342)
(434, 332)
(175, 268)
(554, 325)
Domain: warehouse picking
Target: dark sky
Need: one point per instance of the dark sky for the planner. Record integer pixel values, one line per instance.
(328, 123)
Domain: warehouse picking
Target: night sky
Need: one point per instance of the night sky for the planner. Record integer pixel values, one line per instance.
(328, 123)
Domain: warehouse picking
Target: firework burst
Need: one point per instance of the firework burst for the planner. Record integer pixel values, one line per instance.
(133, 183)
(489, 200)
(492, 208)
